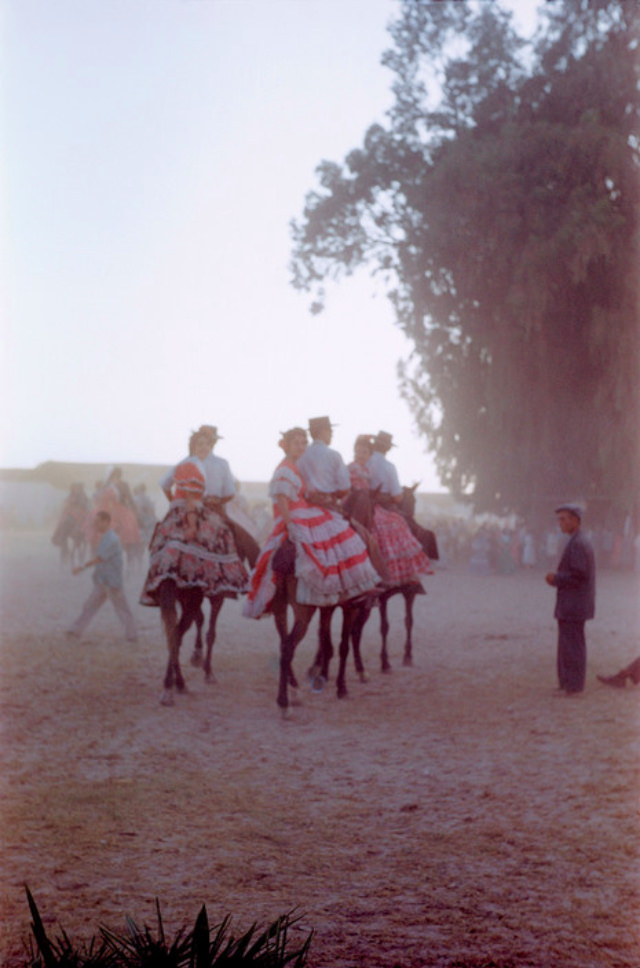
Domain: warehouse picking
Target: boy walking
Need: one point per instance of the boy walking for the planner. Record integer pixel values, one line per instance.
(107, 579)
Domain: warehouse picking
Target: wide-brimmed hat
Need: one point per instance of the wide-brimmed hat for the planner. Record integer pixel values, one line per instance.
(316, 424)
(383, 440)
(364, 439)
(572, 508)
(209, 431)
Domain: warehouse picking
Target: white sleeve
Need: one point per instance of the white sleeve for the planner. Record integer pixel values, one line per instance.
(228, 487)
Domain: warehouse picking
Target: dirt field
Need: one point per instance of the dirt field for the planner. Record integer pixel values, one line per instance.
(457, 812)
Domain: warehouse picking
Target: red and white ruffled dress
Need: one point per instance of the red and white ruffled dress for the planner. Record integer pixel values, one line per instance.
(332, 563)
(209, 560)
(400, 549)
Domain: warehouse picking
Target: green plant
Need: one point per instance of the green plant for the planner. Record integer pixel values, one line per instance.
(201, 947)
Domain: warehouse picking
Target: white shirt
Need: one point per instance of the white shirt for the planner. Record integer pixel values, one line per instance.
(323, 469)
(217, 476)
(383, 475)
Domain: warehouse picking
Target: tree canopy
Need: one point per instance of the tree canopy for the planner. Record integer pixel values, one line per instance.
(499, 205)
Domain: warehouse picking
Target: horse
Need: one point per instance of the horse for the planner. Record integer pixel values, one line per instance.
(199, 657)
(191, 601)
(71, 537)
(354, 617)
(359, 505)
(289, 640)
(169, 596)
(409, 590)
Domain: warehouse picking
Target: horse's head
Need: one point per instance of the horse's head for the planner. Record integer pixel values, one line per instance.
(408, 499)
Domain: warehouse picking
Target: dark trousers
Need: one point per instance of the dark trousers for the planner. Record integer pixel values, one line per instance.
(572, 656)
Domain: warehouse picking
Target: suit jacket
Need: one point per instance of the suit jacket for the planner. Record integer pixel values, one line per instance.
(576, 581)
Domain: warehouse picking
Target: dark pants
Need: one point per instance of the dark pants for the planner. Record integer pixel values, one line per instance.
(572, 656)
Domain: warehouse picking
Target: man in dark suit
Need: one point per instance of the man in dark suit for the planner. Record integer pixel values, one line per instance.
(575, 581)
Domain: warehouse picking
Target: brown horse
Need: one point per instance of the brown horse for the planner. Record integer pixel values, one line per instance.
(289, 640)
(354, 617)
(410, 590)
(191, 601)
(170, 596)
(199, 657)
(359, 506)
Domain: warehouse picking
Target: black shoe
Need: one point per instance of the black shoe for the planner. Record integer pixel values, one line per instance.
(618, 681)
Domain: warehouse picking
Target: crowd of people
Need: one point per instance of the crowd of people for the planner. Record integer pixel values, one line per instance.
(132, 515)
(341, 531)
(336, 552)
(504, 547)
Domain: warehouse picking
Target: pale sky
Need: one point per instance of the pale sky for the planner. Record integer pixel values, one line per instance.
(154, 153)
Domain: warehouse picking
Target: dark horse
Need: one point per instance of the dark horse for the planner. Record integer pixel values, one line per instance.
(190, 600)
(289, 640)
(70, 535)
(359, 506)
(410, 590)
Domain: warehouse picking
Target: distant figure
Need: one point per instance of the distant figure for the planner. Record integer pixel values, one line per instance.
(107, 579)
(575, 581)
(529, 550)
(552, 545)
(70, 534)
(619, 681)
(115, 498)
(145, 513)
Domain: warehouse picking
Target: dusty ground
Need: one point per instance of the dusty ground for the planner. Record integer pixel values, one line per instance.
(456, 811)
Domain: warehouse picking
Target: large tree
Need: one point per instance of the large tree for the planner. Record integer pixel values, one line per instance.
(500, 205)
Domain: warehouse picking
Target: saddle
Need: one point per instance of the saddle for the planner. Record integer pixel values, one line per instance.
(427, 538)
(246, 545)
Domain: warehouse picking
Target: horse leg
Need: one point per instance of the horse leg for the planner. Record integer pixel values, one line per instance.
(196, 655)
(319, 671)
(362, 614)
(409, 598)
(279, 610)
(303, 614)
(385, 665)
(315, 669)
(168, 611)
(349, 613)
(216, 605)
(191, 601)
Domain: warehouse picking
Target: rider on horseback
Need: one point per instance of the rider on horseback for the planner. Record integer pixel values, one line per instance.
(323, 469)
(403, 554)
(194, 545)
(331, 561)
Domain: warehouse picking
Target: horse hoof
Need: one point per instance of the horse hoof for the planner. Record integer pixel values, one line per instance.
(363, 676)
(210, 679)
(196, 659)
(166, 699)
(342, 692)
(407, 661)
(318, 683)
(295, 697)
(285, 712)
(386, 670)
